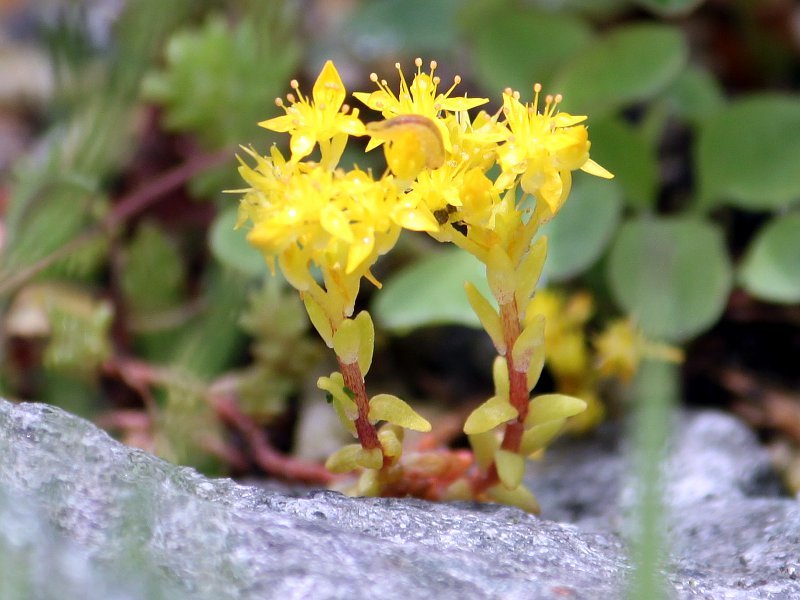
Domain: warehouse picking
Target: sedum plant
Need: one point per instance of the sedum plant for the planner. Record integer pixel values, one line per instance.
(485, 183)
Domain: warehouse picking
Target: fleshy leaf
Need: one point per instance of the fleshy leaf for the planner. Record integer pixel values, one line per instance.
(391, 439)
(484, 445)
(346, 342)
(521, 497)
(530, 269)
(500, 275)
(319, 319)
(550, 407)
(510, 468)
(537, 437)
(489, 415)
(500, 377)
(529, 342)
(366, 331)
(345, 459)
(389, 408)
(488, 316)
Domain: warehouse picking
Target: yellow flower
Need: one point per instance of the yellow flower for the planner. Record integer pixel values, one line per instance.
(543, 148)
(319, 119)
(422, 98)
(621, 347)
(340, 220)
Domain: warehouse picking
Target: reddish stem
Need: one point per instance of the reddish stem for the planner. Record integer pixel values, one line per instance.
(517, 391)
(264, 454)
(354, 380)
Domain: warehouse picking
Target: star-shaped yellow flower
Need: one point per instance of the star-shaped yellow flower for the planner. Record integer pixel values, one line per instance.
(543, 148)
(318, 119)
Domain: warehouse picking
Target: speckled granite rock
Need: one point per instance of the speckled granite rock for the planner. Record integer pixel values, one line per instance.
(112, 522)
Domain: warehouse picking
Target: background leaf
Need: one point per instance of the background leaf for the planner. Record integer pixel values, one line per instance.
(431, 292)
(622, 150)
(230, 245)
(672, 274)
(629, 65)
(517, 48)
(749, 153)
(582, 229)
(771, 267)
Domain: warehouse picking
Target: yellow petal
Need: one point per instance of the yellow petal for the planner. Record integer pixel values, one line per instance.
(302, 143)
(280, 124)
(593, 168)
(360, 249)
(495, 411)
(328, 92)
(417, 218)
(334, 221)
(390, 408)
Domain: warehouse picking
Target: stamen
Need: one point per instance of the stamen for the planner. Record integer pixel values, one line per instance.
(397, 66)
(345, 109)
(294, 84)
(279, 102)
(373, 77)
(456, 79)
(434, 65)
(418, 61)
(291, 98)
(508, 91)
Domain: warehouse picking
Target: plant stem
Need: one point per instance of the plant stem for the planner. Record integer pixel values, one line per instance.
(518, 385)
(354, 380)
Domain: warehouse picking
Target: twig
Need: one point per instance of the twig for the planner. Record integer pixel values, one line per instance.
(264, 454)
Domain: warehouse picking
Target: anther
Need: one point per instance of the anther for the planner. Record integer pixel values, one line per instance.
(291, 98)
(537, 87)
(436, 80)
(373, 77)
(397, 66)
(345, 109)
(558, 98)
(278, 101)
(418, 61)
(508, 91)
(457, 79)
(434, 65)
(294, 84)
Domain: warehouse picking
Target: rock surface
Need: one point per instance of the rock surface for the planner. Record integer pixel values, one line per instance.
(82, 516)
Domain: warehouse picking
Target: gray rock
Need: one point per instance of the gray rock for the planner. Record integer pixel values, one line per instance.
(82, 516)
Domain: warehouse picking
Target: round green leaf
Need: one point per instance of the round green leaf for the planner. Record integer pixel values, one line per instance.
(771, 267)
(631, 64)
(582, 229)
(624, 151)
(695, 95)
(431, 292)
(749, 153)
(392, 27)
(518, 48)
(672, 274)
(230, 246)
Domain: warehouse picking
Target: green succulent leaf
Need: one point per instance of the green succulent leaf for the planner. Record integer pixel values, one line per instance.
(624, 151)
(748, 153)
(515, 48)
(631, 64)
(405, 300)
(771, 267)
(671, 273)
(583, 228)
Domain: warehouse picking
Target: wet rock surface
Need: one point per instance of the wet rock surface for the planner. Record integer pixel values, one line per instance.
(82, 516)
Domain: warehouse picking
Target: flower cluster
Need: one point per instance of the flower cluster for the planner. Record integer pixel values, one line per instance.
(484, 182)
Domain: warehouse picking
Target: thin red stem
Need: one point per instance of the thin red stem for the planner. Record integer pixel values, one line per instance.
(354, 380)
